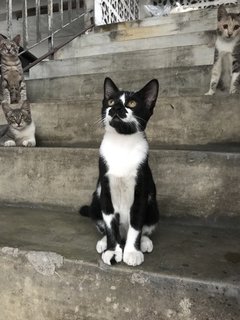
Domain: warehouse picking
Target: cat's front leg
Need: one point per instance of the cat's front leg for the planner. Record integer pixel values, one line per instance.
(6, 95)
(113, 249)
(23, 91)
(215, 77)
(235, 83)
(132, 255)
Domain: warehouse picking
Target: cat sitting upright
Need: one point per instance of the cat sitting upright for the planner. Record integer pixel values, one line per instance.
(20, 130)
(13, 86)
(124, 204)
(226, 68)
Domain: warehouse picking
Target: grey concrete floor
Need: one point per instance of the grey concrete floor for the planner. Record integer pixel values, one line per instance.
(195, 252)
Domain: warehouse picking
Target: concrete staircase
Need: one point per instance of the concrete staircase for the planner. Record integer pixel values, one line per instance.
(49, 266)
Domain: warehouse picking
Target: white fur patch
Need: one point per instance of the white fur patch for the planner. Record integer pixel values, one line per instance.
(9, 143)
(226, 46)
(146, 244)
(123, 98)
(123, 155)
(27, 134)
(101, 245)
(108, 255)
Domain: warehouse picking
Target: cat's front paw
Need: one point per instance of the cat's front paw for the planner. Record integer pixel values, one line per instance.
(133, 258)
(146, 244)
(10, 143)
(28, 143)
(109, 255)
(209, 93)
(102, 245)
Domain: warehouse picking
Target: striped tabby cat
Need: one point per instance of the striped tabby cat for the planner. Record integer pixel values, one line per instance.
(226, 68)
(20, 130)
(13, 86)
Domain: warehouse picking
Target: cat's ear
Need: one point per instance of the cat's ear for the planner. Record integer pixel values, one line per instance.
(109, 88)
(1, 38)
(149, 94)
(26, 106)
(17, 39)
(6, 107)
(222, 12)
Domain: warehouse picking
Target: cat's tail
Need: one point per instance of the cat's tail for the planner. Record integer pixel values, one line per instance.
(85, 211)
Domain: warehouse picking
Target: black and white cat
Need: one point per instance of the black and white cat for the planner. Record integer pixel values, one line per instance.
(124, 204)
(226, 67)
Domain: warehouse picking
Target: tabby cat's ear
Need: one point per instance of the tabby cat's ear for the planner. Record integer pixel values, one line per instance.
(149, 94)
(222, 12)
(17, 39)
(1, 38)
(109, 88)
(26, 106)
(6, 107)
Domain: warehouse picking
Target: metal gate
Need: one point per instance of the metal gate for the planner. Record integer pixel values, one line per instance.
(112, 11)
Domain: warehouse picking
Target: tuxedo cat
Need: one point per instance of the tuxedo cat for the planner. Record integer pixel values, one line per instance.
(20, 130)
(226, 68)
(124, 204)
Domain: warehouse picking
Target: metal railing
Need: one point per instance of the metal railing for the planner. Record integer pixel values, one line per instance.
(60, 15)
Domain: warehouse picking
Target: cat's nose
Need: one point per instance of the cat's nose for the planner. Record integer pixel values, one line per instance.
(229, 35)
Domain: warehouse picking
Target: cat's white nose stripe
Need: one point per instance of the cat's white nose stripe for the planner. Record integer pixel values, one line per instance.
(123, 98)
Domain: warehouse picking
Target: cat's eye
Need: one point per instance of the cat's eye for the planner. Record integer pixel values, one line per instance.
(111, 102)
(131, 104)
(236, 27)
(225, 26)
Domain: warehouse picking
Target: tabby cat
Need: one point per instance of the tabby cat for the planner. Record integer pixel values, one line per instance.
(124, 204)
(20, 130)
(226, 68)
(13, 86)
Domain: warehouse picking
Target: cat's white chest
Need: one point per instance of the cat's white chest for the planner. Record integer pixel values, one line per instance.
(27, 133)
(123, 154)
(225, 46)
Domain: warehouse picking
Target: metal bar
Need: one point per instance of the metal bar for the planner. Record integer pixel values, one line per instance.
(69, 10)
(38, 13)
(50, 25)
(53, 33)
(61, 11)
(25, 24)
(56, 49)
(78, 7)
(9, 18)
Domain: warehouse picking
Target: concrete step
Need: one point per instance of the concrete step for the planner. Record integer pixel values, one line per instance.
(78, 48)
(202, 122)
(173, 81)
(152, 59)
(173, 30)
(192, 273)
(189, 183)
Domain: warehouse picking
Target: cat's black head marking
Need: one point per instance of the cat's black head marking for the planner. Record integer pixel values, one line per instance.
(128, 112)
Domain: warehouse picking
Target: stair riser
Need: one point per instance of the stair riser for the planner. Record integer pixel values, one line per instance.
(177, 121)
(200, 184)
(188, 56)
(82, 291)
(78, 48)
(173, 81)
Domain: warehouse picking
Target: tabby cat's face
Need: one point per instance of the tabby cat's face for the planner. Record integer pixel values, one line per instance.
(228, 24)
(9, 47)
(18, 118)
(128, 112)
